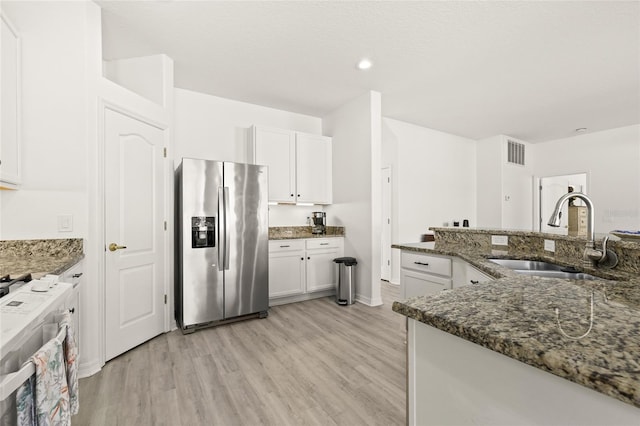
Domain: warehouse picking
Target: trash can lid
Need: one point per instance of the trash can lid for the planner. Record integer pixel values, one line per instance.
(348, 261)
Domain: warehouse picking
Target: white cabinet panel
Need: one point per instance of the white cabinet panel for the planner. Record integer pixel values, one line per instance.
(440, 265)
(419, 284)
(422, 274)
(464, 274)
(286, 268)
(299, 268)
(275, 148)
(313, 177)
(299, 164)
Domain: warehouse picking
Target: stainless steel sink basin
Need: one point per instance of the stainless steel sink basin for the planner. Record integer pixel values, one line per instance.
(542, 269)
(528, 265)
(557, 274)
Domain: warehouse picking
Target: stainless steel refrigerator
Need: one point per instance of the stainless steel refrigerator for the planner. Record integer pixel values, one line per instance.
(222, 241)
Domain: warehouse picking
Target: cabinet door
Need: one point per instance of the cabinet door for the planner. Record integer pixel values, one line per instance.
(464, 274)
(73, 276)
(286, 273)
(321, 270)
(314, 171)
(475, 276)
(414, 283)
(275, 148)
(10, 101)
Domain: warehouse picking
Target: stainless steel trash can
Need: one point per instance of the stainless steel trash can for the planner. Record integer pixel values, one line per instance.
(346, 291)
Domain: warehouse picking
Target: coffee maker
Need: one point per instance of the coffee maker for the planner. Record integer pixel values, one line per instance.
(319, 222)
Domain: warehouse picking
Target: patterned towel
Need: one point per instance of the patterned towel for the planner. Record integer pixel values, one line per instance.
(71, 361)
(44, 398)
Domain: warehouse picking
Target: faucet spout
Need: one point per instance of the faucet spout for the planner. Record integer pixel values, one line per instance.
(554, 220)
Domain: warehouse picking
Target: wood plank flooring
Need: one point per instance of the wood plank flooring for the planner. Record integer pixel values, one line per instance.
(308, 363)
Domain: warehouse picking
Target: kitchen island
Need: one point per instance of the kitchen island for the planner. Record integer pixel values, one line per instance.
(482, 354)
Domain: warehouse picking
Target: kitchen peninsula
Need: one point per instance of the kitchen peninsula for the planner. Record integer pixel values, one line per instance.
(482, 354)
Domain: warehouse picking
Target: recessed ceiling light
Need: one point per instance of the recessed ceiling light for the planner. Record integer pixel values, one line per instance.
(364, 64)
(581, 129)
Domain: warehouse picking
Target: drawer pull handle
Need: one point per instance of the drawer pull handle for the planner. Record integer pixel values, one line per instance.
(72, 310)
(421, 263)
(474, 281)
(78, 275)
(284, 246)
(324, 244)
(302, 258)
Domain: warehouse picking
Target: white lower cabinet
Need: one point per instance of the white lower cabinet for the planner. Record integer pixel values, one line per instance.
(303, 269)
(73, 276)
(422, 274)
(464, 274)
(286, 268)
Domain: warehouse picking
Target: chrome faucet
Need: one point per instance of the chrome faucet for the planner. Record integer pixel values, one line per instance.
(592, 256)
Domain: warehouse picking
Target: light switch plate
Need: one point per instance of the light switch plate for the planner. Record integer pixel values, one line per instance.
(550, 245)
(65, 223)
(499, 240)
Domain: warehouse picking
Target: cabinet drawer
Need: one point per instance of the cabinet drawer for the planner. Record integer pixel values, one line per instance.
(418, 284)
(319, 243)
(285, 245)
(427, 263)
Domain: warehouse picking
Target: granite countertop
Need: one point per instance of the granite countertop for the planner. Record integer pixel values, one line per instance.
(39, 257)
(299, 232)
(36, 265)
(515, 315)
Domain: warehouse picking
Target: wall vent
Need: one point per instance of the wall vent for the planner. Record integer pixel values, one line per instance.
(515, 152)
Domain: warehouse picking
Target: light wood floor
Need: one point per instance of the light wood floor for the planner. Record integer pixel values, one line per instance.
(312, 362)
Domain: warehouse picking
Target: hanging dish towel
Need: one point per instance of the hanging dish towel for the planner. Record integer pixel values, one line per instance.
(71, 361)
(44, 398)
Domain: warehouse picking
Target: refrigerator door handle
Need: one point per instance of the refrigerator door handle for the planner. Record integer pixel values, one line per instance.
(226, 233)
(222, 228)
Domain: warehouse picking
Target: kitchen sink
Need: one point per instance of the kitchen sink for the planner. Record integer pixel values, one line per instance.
(542, 269)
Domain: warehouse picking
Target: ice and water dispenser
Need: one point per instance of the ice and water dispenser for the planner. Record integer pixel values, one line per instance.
(203, 231)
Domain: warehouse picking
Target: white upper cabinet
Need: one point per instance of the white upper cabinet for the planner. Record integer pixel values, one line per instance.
(314, 171)
(276, 148)
(299, 164)
(10, 167)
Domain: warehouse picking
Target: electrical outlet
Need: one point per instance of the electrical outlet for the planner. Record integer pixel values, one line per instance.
(499, 240)
(65, 223)
(550, 245)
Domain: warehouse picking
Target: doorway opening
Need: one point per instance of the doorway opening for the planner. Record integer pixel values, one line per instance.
(551, 188)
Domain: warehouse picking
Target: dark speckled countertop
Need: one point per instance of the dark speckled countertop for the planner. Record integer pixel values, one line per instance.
(39, 257)
(515, 315)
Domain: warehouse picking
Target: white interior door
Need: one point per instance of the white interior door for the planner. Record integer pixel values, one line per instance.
(385, 244)
(134, 227)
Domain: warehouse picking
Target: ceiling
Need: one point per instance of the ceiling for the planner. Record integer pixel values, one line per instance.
(534, 70)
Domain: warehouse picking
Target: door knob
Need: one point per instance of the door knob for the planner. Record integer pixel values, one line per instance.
(114, 247)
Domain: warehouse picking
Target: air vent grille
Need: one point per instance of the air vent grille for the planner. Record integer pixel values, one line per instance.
(515, 153)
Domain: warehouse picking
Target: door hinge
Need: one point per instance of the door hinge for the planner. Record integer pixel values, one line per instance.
(165, 225)
(165, 152)
(165, 299)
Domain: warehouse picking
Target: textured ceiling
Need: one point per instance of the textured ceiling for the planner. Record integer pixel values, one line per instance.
(531, 69)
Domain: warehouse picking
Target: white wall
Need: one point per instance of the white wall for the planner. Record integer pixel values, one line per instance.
(55, 121)
(356, 131)
(611, 159)
(61, 61)
(434, 181)
(215, 128)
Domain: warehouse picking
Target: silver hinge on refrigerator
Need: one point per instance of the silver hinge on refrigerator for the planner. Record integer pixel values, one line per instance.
(165, 299)
(165, 152)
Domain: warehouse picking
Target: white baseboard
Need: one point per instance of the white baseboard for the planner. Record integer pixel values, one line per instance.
(369, 301)
(87, 369)
(301, 297)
